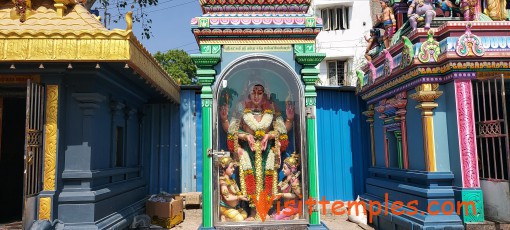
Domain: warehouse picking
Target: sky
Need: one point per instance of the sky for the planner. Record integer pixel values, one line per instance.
(171, 25)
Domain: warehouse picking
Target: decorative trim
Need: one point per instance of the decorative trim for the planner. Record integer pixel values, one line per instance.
(298, 8)
(310, 101)
(206, 102)
(304, 48)
(208, 22)
(392, 127)
(309, 59)
(258, 2)
(475, 196)
(429, 50)
(469, 44)
(50, 137)
(210, 49)
(254, 31)
(388, 63)
(206, 60)
(86, 46)
(407, 52)
(44, 208)
(467, 133)
(272, 41)
(372, 90)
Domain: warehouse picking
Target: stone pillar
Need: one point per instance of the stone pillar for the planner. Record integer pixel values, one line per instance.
(382, 116)
(426, 94)
(468, 157)
(206, 74)
(370, 119)
(400, 103)
(398, 136)
(88, 103)
(306, 56)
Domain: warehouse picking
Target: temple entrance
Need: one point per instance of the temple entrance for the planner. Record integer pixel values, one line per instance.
(12, 143)
(258, 179)
(491, 117)
(21, 161)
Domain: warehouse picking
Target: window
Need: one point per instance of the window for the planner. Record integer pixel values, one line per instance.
(336, 72)
(335, 18)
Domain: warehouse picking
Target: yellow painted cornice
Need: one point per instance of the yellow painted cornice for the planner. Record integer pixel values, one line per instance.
(115, 46)
(39, 43)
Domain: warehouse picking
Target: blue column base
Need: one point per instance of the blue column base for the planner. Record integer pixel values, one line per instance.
(424, 194)
(321, 226)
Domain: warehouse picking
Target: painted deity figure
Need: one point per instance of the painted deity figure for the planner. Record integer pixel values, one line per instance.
(289, 189)
(420, 10)
(375, 45)
(257, 133)
(496, 9)
(388, 19)
(230, 193)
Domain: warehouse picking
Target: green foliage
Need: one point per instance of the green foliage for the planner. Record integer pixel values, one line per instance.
(178, 64)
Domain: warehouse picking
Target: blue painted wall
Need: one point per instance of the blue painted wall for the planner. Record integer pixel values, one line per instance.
(441, 133)
(191, 121)
(343, 143)
(199, 140)
(93, 192)
(380, 158)
(163, 158)
(414, 135)
(453, 134)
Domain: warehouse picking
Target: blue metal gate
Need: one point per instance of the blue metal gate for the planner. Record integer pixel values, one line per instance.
(343, 143)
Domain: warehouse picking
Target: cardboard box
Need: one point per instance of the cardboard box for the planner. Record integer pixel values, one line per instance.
(166, 214)
(192, 198)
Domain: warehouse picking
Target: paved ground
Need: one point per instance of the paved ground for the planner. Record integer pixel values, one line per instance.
(193, 220)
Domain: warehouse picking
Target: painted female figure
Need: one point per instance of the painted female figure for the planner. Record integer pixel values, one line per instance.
(230, 193)
(257, 133)
(289, 189)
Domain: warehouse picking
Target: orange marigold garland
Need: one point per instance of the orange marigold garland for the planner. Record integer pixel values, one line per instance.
(268, 182)
(284, 142)
(250, 182)
(230, 143)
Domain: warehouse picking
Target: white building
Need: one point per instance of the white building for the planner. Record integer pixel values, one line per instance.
(342, 38)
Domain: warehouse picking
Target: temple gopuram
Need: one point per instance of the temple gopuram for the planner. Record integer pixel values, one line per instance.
(435, 85)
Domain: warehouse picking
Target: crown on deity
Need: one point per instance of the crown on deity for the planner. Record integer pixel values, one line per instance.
(225, 161)
(292, 161)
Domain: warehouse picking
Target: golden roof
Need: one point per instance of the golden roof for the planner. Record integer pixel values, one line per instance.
(62, 31)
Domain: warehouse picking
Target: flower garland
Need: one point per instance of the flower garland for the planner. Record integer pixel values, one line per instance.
(281, 137)
(232, 137)
(245, 161)
(258, 127)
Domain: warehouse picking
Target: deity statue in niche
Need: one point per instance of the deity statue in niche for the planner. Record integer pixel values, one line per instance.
(230, 210)
(289, 189)
(257, 134)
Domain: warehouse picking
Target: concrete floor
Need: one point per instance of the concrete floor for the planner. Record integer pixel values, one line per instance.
(193, 219)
